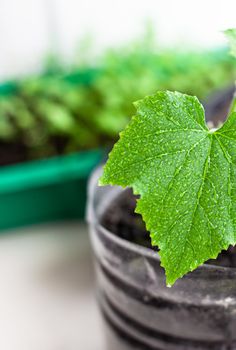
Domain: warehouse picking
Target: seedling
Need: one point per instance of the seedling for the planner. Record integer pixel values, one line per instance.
(185, 175)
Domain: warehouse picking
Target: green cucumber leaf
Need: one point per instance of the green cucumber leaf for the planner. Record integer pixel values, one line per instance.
(185, 175)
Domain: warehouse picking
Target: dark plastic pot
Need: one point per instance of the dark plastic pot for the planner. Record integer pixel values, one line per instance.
(218, 104)
(140, 312)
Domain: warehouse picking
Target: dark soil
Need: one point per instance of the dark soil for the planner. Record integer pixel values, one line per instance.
(11, 153)
(18, 152)
(121, 219)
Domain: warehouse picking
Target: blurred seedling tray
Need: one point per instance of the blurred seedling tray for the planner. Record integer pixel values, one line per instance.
(46, 190)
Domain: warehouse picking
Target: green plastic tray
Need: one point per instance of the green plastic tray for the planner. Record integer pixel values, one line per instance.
(45, 190)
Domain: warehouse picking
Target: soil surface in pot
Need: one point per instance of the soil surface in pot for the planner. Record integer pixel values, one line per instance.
(120, 218)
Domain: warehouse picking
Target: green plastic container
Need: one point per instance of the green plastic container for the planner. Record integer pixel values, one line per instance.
(45, 190)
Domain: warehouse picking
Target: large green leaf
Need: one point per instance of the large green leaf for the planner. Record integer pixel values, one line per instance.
(185, 175)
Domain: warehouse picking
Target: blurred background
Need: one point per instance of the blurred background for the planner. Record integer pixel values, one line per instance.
(69, 72)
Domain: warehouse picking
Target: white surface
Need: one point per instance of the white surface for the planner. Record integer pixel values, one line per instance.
(47, 290)
(30, 28)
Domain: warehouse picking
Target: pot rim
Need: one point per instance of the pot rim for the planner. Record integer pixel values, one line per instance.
(93, 219)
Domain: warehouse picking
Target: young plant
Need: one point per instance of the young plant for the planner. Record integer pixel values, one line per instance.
(185, 175)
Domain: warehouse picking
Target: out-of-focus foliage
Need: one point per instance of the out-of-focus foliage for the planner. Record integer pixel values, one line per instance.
(134, 73)
(231, 35)
(57, 113)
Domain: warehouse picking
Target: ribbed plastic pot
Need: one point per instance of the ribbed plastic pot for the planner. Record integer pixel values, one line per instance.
(139, 311)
